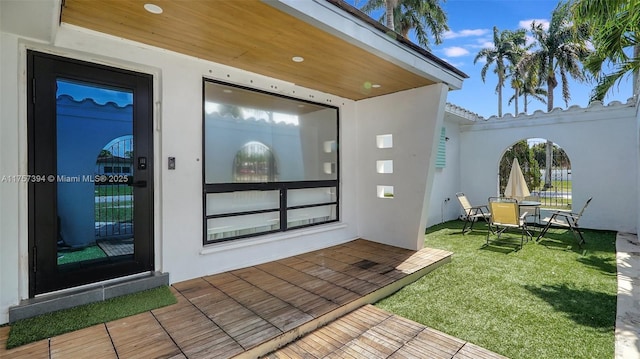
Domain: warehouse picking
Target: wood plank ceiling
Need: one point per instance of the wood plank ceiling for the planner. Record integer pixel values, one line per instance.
(249, 35)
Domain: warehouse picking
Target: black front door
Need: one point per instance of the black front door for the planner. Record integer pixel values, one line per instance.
(90, 172)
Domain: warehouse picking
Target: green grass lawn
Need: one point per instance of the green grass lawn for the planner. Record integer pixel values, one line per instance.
(547, 300)
(48, 325)
(113, 190)
(118, 211)
(84, 254)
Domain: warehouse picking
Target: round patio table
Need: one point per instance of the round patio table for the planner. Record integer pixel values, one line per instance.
(535, 204)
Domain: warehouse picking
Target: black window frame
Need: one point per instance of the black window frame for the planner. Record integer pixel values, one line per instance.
(282, 186)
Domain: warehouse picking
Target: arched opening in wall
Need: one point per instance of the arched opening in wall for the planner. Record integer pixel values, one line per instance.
(550, 183)
(255, 162)
(113, 196)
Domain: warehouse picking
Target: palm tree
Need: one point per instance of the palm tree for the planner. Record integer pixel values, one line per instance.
(518, 75)
(507, 49)
(423, 16)
(528, 85)
(615, 27)
(559, 49)
(535, 91)
(517, 83)
(390, 6)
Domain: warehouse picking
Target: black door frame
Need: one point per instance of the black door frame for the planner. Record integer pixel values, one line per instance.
(43, 70)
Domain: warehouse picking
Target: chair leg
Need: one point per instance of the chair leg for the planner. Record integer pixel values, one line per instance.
(525, 232)
(577, 234)
(488, 223)
(494, 230)
(544, 230)
(582, 241)
(464, 228)
(522, 240)
(488, 231)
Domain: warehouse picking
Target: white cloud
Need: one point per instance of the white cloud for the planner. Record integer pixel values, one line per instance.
(529, 40)
(487, 45)
(526, 24)
(481, 44)
(455, 51)
(464, 33)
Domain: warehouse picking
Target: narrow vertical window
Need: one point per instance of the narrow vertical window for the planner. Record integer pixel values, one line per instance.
(441, 156)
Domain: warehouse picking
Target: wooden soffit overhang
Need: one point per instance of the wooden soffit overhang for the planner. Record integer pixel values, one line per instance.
(261, 37)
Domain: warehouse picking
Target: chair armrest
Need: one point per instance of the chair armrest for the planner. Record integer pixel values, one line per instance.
(523, 215)
(562, 212)
(573, 216)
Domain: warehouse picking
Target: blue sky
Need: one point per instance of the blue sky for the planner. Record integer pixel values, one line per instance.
(100, 95)
(471, 23)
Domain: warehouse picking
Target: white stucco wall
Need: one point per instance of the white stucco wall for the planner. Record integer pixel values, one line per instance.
(13, 258)
(178, 117)
(178, 197)
(179, 234)
(602, 145)
(443, 205)
(413, 118)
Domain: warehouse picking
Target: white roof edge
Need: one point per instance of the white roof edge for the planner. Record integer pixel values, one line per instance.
(593, 106)
(43, 18)
(338, 22)
(462, 114)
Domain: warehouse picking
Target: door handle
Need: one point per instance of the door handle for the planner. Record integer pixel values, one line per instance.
(141, 184)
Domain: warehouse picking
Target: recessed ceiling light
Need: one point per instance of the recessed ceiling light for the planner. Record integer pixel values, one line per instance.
(153, 8)
(297, 59)
(375, 86)
(227, 91)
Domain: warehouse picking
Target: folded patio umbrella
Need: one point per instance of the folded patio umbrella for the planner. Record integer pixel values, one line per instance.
(516, 185)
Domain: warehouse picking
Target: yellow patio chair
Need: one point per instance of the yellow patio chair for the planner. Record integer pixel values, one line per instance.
(566, 219)
(505, 215)
(472, 213)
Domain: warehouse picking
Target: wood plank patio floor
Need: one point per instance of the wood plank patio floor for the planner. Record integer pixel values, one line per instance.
(249, 312)
(370, 332)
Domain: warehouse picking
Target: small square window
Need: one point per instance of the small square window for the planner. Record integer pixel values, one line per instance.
(385, 191)
(384, 166)
(384, 141)
(330, 146)
(329, 167)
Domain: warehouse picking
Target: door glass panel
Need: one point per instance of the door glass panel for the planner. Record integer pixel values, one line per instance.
(95, 142)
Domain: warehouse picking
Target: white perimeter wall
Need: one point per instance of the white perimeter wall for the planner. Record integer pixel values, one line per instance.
(443, 205)
(178, 133)
(601, 142)
(413, 118)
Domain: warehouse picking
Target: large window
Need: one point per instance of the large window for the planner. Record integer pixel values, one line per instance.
(270, 163)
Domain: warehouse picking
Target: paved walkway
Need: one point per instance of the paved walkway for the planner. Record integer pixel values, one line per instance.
(628, 313)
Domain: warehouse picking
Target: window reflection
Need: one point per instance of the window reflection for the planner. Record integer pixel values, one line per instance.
(270, 163)
(255, 163)
(256, 137)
